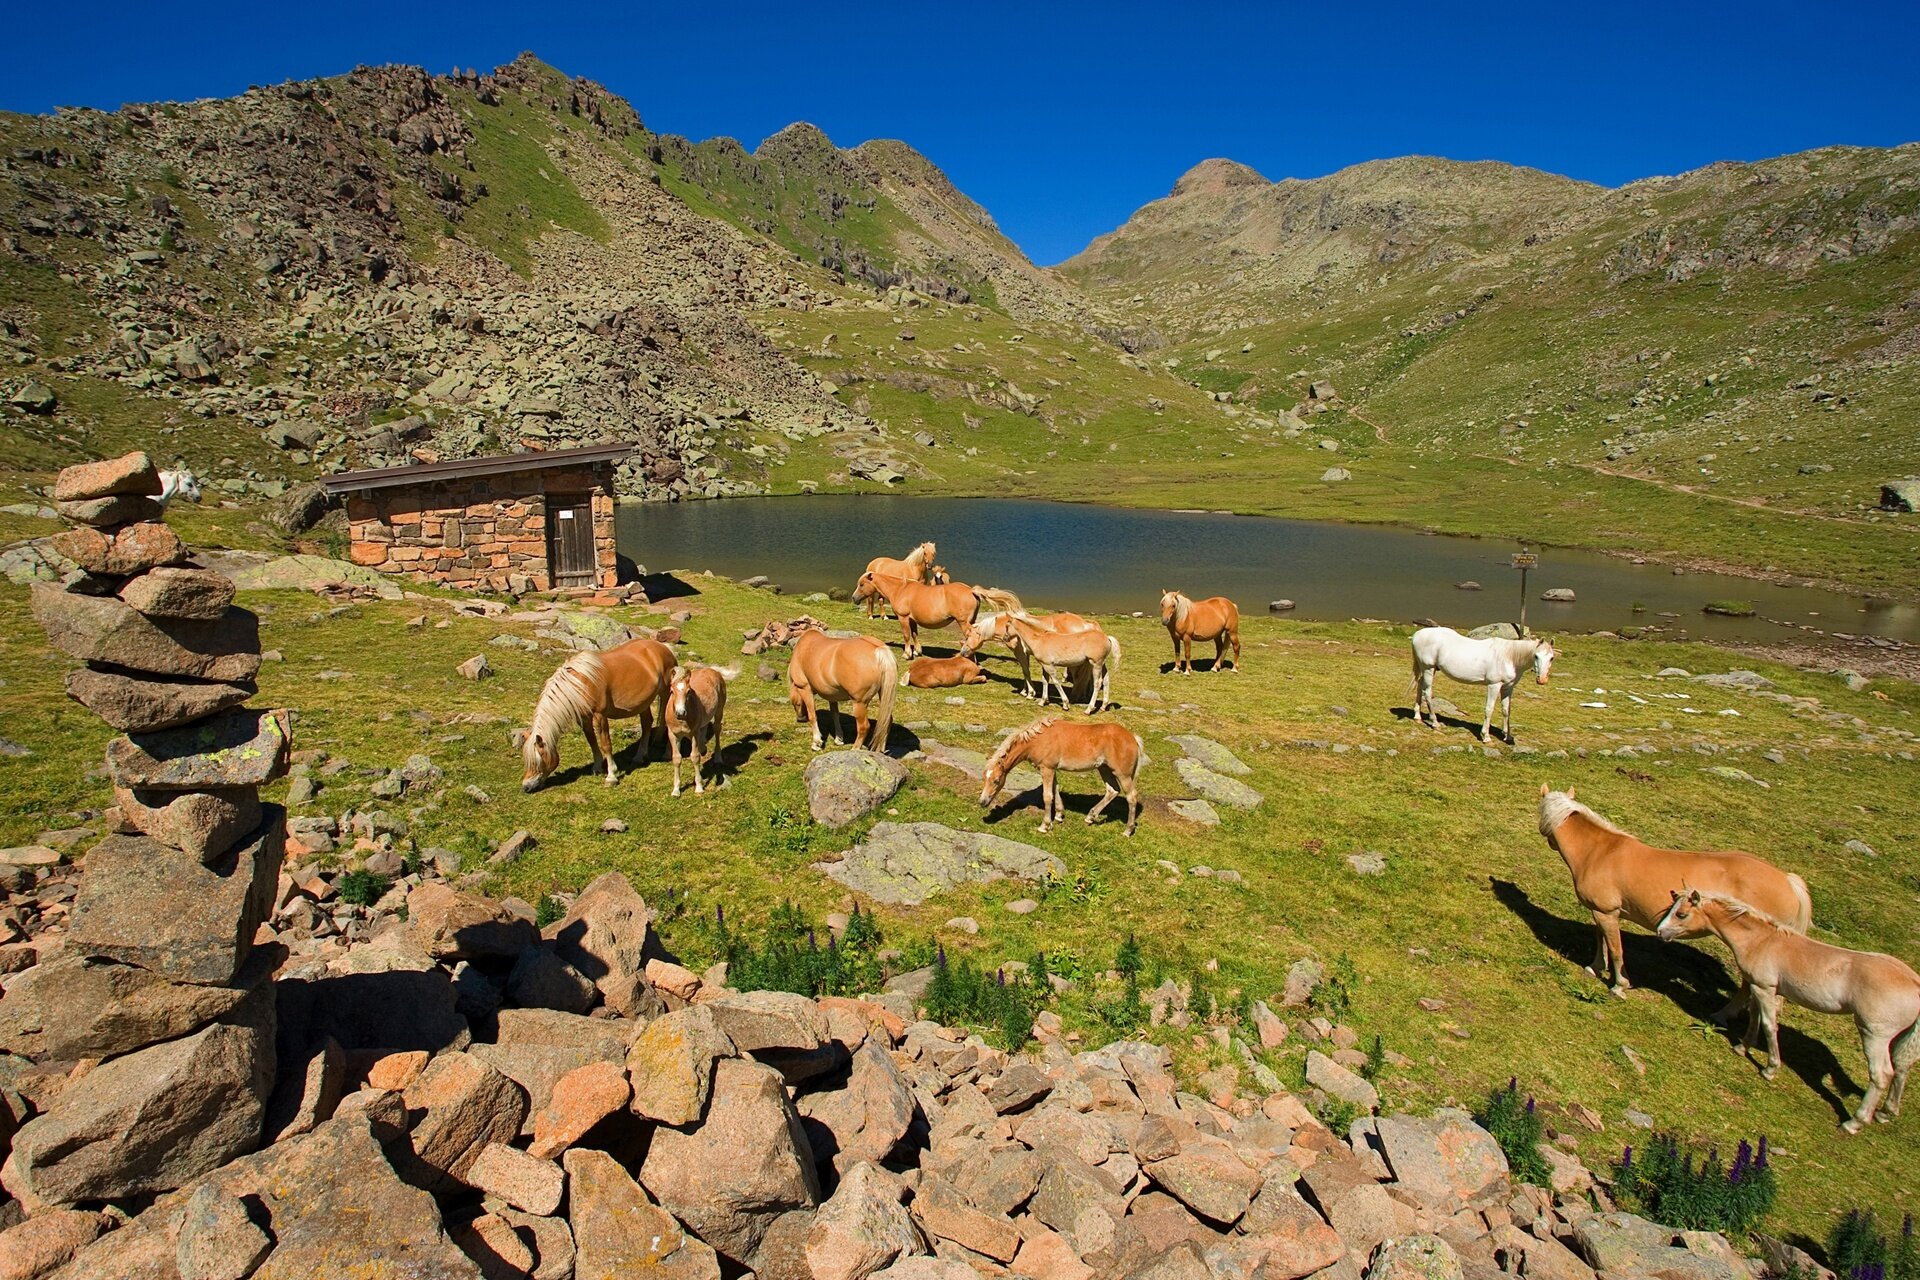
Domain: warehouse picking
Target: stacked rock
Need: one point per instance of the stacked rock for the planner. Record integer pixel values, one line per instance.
(159, 976)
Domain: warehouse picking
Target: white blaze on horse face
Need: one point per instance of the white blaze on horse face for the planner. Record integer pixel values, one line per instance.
(1543, 662)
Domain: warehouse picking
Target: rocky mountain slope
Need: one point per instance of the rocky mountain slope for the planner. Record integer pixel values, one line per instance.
(388, 265)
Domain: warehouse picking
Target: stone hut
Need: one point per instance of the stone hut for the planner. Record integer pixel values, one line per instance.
(538, 521)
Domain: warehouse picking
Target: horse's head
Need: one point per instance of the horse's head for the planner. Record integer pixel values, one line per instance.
(978, 634)
(1169, 603)
(677, 689)
(926, 550)
(939, 576)
(1554, 808)
(1543, 656)
(179, 483)
(1684, 919)
(863, 589)
(991, 780)
(540, 758)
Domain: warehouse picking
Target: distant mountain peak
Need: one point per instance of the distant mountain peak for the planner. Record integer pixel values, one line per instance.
(1215, 175)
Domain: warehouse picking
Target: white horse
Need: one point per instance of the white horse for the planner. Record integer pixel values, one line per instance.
(1496, 663)
(180, 483)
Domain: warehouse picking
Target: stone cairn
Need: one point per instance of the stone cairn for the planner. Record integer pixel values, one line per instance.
(158, 979)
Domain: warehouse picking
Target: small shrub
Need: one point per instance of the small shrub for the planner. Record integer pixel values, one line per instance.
(1666, 1184)
(1518, 1129)
(167, 241)
(790, 956)
(170, 175)
(1337, 1114)
(1334, 996)
(1857, 1250)
(548, 910)
(1003, 1007)
(1127, 961)
(362, 888)
(1376, 1059)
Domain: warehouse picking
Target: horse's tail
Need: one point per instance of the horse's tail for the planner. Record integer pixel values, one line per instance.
(1803, 919)
(889, 672)
(728, 674)
(999, 598)
(1145, 759)
(1906, 1048)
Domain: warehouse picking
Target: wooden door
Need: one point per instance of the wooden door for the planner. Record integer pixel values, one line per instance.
(570, 542)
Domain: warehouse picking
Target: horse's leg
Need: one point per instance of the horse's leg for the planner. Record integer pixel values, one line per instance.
(1879, 1078)
(1742, 999)
(1026, 672)
(1767, 1006)
(673, 754)
(1133, 799)
(1186, 654)
(603, 744)
(1616, 952)
(1486, 720)
(1236, 649)
(810, 713)
(1098, 672)
(860, 723)
(1219, 653)
(1047, 792)
(1506, 710)
(1108, 776)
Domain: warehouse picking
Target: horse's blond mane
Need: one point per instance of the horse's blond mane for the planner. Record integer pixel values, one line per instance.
(566, 700)
(1019, 737)
(1181, 607)
(1557, 806)
(1737, 908)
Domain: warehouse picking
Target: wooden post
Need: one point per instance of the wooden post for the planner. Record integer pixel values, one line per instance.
(1523, 561)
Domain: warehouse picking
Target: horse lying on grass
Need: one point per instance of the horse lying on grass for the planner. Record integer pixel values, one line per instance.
(1881, 992)
(1617, 877)
(942, 673)
(586, 692)
(1051, 744)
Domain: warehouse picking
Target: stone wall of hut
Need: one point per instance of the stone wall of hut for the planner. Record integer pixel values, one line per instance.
(481, 532)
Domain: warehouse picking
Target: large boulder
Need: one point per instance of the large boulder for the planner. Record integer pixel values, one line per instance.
(71, 1007)
(861, 1228)
(180, 593)
(1415, 1257)
(119, 553)
(746, 1163)
(140, 704)
(580, 1099)
(106, 630)
(1295, 1240)
(671, 1065)
(105, 513)
(452, 925)
(1325, 1074)
(132, 473)
(299, 508)
(148, 904)
(608, 936)
(153, 1119)
(1217, 787)
(1446, 1160)
(905, 863)
(1209, 1179)
(619, 1233)
(201, 824)
(245, 747)
(47, 1240)
(458, 1105)
(864, 1119)
(846, 786)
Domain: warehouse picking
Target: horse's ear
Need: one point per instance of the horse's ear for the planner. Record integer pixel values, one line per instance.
(1544, 790)
(1675, 893)
(1569, 793)
(1694, 897)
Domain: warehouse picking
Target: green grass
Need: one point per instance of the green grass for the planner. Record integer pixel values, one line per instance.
(528, 190)
(1473, 910)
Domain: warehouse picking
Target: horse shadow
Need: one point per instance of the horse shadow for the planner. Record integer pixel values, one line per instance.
(1200, 664)
(1452, 721)
(1691, 978)
(729, 758)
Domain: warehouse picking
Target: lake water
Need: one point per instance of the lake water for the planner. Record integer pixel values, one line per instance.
(1114, 559)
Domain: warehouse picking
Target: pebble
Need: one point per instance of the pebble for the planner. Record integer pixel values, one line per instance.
(1023, 906)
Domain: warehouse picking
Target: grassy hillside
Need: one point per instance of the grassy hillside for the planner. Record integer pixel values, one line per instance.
(1472, 911)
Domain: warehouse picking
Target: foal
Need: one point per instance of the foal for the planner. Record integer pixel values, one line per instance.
(999, 627)
(1058, 653)
(1052, 744)
(696, 705)
(1882, 993)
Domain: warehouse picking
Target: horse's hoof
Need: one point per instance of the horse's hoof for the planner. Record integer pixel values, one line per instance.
(1851, 1126)
(1768, 1073)
(1619, 989)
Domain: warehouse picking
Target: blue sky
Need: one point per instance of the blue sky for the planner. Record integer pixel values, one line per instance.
(1062, 119)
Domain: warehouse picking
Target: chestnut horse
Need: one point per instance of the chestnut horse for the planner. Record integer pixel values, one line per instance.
(997, 627)
(942, 673)
(917, 566)
(696, 706)
(586, 692)
(856, 669)
(1216, 618)
(1881, 992)
(922, 604)
(1618, 877)
(1052, 744)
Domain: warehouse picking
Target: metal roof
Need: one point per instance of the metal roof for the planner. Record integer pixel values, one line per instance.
(429, 472)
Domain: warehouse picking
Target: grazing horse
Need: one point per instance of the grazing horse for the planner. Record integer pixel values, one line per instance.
(922, 604)
(942, 673)
(1494, 662)
(1059, 653)
(696, 705)
(917, 566)
(586, 692)
(856, 669)
(1051, 744)
(179, 483)
(998, 627)
(1216, 618)
(1617, 877)
(1881, 992)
